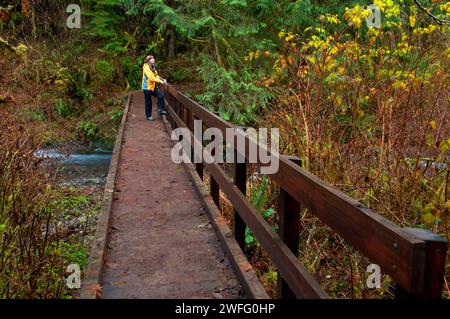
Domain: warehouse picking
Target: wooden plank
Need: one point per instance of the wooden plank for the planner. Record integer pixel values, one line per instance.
(91, 286)
(403, 255)
(436, 251)
(300, 280)
(214, 187)
(239, 262)
(305, 286)
(399, 254)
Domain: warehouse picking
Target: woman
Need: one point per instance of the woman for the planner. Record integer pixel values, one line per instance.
(150, 78)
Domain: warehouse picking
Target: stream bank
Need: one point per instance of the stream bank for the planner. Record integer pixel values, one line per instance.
(79, 176)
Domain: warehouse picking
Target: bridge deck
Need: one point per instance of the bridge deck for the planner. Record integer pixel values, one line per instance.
(161, 245)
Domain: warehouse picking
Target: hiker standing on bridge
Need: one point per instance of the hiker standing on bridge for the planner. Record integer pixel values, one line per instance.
(150, 79)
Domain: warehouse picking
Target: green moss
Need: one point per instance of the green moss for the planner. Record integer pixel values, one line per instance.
(74, 254)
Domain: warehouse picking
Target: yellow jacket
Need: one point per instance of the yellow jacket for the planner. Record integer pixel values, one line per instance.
(149, 78)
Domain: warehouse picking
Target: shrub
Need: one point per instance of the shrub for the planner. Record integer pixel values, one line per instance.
(367, 111)
(29, 267)
(103, 73)
(233, 95)
(64, 108)
(87, 130)
(132, 72)
(116, 114)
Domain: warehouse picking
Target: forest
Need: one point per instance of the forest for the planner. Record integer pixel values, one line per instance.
(365, 108)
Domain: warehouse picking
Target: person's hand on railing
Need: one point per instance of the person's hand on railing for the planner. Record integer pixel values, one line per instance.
(164, 81)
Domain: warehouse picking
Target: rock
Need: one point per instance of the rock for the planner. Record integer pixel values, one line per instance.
(82, 219)
(218, 296)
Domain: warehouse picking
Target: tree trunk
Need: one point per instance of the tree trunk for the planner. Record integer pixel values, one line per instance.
(171, 34)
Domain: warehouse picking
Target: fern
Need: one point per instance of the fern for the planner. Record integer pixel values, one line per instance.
(233, 95)
(106, 16)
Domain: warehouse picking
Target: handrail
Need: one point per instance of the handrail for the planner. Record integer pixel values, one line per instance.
(414, 260)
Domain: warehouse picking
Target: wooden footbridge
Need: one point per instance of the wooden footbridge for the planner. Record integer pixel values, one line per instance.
(160, 233)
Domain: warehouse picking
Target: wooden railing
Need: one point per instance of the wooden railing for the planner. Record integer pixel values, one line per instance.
(413, 258)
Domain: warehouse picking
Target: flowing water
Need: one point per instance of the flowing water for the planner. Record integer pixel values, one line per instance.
(86, 171)
(80, 168)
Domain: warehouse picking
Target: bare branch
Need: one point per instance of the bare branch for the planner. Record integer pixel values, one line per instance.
(427, 11)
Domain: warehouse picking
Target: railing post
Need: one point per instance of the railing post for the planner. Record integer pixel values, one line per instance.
(434, 267)
(171, 101)
(240, 180)
(168, 97)
(199, 166)
(214, 187)
(176, 107)
(190, 120)
(181, 111)
(289, 226)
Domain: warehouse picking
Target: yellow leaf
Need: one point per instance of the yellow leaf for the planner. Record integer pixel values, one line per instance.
(433, 124)
(289, 37)
(428, 218)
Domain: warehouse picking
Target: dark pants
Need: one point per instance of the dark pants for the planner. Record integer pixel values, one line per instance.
(148, 101)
